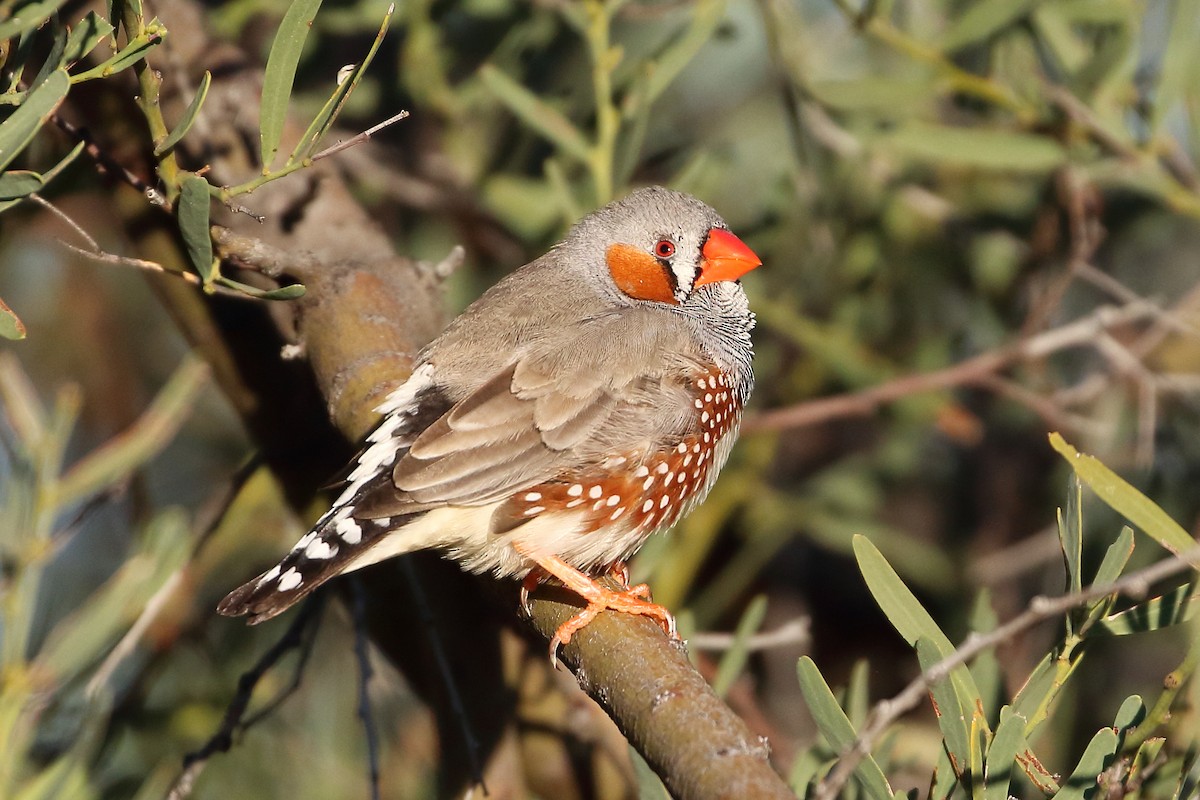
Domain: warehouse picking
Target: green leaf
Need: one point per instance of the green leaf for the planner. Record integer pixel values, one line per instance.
(333, 106)
(79, 640)
(87, 33)
(982, 19)
(1130, 714)
(986, 668)
(901, 606)
(535, 113)
(1059, 35)
(18, 183)
(649, 785)
(734, 660)
(978, 148)
(280, 75)
(189, 116)
(1001, 761)
(46, 177)
(1115, 558)
(836, 728)
(1172, 608)
(129, 450)
(193, 212)
(19, 129)
(951, 715)
(1095, 759)
(1124, 499)
(27, 17)
(135, 51)
(11, 326)
(1180, 62)
(289, 292)
(1070, 535)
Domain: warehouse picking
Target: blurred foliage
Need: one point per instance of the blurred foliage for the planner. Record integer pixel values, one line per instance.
(926, 181)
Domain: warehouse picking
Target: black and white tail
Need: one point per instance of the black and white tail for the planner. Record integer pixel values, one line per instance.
(341, 541)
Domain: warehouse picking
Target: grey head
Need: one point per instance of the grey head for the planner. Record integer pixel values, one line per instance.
(654, 247)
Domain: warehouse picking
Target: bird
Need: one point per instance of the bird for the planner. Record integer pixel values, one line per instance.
(584, 403)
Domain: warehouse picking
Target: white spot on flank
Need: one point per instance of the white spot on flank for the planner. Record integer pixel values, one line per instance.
(574, 503)
(699, 404)
(687, 459)
(696, 447)
(706, 437)
(320, 550)
(532, 510)
(290, 580)
(613, 499)
(704, 417)
(595, 492)
(667, 480)
(663, 503)
(575, 490)
(681, 477)
(596, 505)
(646, 484)
(533, 497)
(617, 513)
(646, 506)
(641, 471)
(661, 469)
(682, 448)
(708, 397)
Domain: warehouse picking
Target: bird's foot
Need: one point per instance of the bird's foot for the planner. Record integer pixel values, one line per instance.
(627, 600)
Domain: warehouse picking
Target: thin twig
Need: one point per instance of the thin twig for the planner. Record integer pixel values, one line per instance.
(360, 138)
(1040, 609)
(358, 611)
(794, 631)
(1082, 332)
(412, 580)
(95, 253)
(234, 720)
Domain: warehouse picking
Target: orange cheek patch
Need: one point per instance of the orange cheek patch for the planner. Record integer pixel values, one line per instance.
(639, 274)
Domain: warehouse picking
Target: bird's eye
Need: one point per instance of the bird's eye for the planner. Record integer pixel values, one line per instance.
(664, 249)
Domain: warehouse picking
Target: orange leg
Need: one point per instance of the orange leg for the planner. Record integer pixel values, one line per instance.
(630, 600)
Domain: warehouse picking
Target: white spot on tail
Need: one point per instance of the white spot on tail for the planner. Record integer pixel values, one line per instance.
(320, 550)
(290, 580)
(349, 530)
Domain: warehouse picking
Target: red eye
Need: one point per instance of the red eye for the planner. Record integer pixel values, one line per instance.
(664, 249)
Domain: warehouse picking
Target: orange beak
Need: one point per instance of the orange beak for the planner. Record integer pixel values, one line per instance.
(726, 258)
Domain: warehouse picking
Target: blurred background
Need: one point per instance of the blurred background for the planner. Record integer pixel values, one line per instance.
(1009, 187)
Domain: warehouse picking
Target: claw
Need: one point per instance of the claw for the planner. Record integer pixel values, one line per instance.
(628, 599)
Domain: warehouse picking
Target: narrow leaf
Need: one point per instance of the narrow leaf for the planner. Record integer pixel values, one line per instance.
(19, 129)
(836, 728)
(1124, 499)
(1001, 761)
(11, 326)
(28, 17)
(135, 51)
(129, 450)
(535, 113)
(1095, 759)
(734, 660)
(1070, 535)
(87, 33)
(1115, 558)
(982, 19)
(193, 212)
(17, 183)
(1177, 73)
(333, 106)
(280, 75)
(979, 148)
(289, 292)
(951, 716)
(189, 116)
(1172, 608)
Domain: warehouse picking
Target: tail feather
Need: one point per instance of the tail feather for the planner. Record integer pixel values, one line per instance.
(338, 543)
